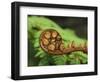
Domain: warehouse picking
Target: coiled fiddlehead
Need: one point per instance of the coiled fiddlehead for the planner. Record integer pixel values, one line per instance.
(51, 42)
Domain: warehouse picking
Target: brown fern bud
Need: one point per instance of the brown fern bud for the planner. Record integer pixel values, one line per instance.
(51, 42)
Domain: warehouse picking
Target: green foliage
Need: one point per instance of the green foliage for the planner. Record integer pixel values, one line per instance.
(77, 58)
(37, 57)
(60, 60)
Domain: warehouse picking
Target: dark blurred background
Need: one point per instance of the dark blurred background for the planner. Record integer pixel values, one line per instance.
(78, 24)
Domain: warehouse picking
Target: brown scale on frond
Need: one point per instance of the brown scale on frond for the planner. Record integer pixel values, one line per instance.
(51, 42)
